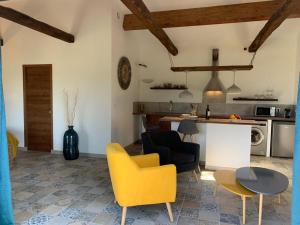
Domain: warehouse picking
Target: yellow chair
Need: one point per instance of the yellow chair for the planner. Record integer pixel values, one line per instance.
(12, 148)
(140, 180)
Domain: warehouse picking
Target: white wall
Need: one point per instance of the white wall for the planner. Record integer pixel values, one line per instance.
(274, 64)
(85, 65)
(298, 55)
(297, 66)
(123, 124)
(90, 64)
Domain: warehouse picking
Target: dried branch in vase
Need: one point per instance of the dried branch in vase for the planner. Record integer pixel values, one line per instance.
(71, 107)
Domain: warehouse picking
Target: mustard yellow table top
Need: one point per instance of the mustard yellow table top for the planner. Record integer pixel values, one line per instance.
(227, 179)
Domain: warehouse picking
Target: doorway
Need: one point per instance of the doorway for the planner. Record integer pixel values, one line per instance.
(38, 120)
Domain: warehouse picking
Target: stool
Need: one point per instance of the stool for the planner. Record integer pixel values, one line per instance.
(188, 127)
(227, 179)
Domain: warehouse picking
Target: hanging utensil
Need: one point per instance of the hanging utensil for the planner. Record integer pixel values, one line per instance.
(186, 93)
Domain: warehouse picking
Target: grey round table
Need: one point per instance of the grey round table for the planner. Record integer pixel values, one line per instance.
(263, 182)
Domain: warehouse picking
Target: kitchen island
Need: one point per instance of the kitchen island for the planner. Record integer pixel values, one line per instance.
(224, 143)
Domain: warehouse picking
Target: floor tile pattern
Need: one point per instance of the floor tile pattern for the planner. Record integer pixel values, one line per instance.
(47, 190)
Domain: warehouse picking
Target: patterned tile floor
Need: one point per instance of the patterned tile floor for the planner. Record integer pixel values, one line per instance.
(47, 190)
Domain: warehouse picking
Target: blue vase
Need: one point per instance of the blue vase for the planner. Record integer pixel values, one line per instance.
(70, 149)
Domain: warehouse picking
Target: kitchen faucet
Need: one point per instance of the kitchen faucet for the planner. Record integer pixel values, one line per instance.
(194, 109)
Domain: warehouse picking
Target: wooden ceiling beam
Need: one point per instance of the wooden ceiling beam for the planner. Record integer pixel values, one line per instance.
(27, 21)
(237, 13)
(143, 15)
(211, 68)
(273, 23)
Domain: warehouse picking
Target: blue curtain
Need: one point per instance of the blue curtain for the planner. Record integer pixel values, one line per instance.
(6, 208)
(296, 177)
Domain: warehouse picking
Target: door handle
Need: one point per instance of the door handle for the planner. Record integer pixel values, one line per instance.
(50, 111)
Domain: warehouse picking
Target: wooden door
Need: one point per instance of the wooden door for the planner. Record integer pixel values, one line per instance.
(37, 81)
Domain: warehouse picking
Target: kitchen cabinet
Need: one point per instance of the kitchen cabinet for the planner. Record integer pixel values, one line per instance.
(155, 120)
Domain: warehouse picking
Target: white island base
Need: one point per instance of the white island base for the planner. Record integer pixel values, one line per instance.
(222, 146)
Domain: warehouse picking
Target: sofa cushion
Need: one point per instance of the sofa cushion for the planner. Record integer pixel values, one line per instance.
(170, 139)
(182, 158)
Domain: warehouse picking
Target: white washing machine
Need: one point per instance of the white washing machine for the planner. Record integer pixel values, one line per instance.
(259, 139)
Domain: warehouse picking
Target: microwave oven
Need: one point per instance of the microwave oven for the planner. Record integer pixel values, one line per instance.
(265, 111)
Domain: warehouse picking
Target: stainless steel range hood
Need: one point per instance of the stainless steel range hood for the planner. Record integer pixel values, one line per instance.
(215, 86)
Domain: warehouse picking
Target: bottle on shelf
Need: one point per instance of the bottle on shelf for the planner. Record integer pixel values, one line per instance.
(207, 114)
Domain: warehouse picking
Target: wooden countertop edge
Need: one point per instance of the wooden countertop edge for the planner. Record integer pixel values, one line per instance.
(217, 121)
(256, 118)
(158, 114)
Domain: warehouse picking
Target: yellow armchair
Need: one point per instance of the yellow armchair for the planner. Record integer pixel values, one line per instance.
(140, 180)
(12, 148)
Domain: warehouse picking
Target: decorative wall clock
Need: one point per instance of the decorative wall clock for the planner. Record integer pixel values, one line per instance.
(124, 73)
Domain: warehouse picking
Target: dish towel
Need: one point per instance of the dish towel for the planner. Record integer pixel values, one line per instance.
(6, 208)
(296, 172)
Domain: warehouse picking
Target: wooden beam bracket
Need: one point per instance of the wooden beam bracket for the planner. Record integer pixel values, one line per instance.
(236, 13)
(274, 22)
(27, 21)
(140, 10)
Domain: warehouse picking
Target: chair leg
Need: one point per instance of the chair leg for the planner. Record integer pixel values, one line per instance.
(216, 189)
(196, 176)
(199, 169)
(170, 211)
(261, 199)
(124, 211)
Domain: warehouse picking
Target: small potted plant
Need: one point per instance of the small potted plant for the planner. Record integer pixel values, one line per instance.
(71, 139)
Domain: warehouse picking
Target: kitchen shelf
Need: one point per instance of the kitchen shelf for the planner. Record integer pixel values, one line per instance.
(164, 88)
(211, 68)
(256, 99)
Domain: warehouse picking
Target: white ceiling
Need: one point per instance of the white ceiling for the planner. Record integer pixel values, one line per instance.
(161, 5)
(288, 28)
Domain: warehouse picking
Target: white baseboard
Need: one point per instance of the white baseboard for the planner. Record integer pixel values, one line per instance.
(215, 168)
(92, 155)
(24, 149)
